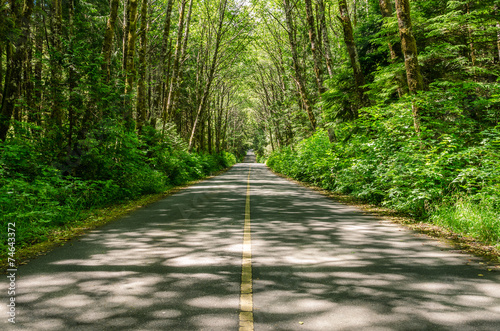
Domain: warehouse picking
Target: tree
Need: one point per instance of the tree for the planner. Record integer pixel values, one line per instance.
(315, 52)
(359, 78)
(129, 58)
(141, 84)
(409, 48)
(108, 36)
(299, 77)
(16, 48)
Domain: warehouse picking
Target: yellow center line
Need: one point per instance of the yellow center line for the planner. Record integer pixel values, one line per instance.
(246, 296)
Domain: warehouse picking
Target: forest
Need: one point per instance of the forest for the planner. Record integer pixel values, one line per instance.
(396, 103)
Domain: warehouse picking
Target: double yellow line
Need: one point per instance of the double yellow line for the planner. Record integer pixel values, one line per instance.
(246, 293)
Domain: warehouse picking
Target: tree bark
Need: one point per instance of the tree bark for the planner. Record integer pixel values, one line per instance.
(409, 48)
(1, 71)
(56, 64)
(359, 78)
(141, 84)
(132, 35)
(14, 66)
(126, 28)
(165, 59)
(326, 39)
(38, 72)
(72, 81)
(129, 60)
(318, 72)
(108, 37)
(175, 68)
(498, 34)
(299, 79)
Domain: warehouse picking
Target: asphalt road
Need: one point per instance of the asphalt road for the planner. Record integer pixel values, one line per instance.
(316, 265)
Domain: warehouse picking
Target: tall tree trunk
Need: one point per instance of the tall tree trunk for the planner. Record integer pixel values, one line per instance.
(165, 60)
(498, 33)
(386, 10)
(14, 65)
(141, 84)
(56, 64)
(182, 59)
(409, 48)
(72, 80)
(318, 72)
(1, 70)
(38, 71)
(132, 35)
(108, 37)
(299, 79)
(130, 70)
(175, 68)
(126, 28)
(326, 40)
(209, 133)
(359, 78)
(28, 83)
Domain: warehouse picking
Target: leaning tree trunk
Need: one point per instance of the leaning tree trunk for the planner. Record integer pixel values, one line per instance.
(409, 48)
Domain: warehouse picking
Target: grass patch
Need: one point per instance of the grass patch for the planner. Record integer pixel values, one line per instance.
(477, 219)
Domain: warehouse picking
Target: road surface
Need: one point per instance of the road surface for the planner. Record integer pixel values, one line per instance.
(310, 264)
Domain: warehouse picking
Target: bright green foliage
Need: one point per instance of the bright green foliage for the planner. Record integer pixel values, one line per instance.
(480, 219)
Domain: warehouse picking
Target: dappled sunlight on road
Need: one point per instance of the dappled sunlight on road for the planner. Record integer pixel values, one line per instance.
(176, 265)
(173, 265)
(321, 266)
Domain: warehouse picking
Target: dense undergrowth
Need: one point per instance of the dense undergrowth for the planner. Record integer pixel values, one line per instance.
(41, 193)
(449, 175)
